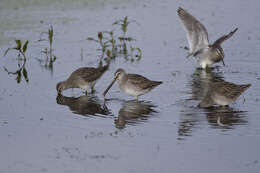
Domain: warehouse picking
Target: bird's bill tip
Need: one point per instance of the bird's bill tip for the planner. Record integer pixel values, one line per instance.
(223, 63)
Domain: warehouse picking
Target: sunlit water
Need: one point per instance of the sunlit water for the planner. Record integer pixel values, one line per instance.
(165, 131)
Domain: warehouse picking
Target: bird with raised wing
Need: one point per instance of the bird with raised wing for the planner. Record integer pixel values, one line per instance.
(199, 45)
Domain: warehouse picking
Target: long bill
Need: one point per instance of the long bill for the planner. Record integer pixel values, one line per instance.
(223, 62)
(111, 84)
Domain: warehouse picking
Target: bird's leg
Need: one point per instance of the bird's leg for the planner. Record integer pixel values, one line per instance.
(86, 92)
(92, 90)
(244, 99)
(189, 54)
(136, 99)
(208, 69)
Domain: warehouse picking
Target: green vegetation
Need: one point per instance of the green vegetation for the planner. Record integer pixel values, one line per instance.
(48, 51)
(21, 71)
(112, 44)
(115, 45)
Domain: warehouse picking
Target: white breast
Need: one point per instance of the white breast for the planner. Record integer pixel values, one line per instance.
(221, 100)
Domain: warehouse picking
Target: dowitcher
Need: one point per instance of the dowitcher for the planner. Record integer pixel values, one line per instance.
(132, 84)
(84, 78)
(199, 45)
(222, 93)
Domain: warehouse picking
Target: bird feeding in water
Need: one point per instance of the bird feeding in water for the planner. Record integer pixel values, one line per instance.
(84, 78)
(199, 45)
(132, 84)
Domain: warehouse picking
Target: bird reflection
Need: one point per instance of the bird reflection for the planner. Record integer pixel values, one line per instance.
(225, 117)
(200, 82)
(133, 112)
(83, 105)
(193, 118)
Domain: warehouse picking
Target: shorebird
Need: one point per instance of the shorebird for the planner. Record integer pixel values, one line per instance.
(199, 45)
(132, 84)
(222, 93)
(84, 78)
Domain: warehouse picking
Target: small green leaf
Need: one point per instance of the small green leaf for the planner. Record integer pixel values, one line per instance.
(7, 51)
(25, 46)
(130, 39)
(19, 44)
(121, 38)
(25, 74)
(140, 54)
(90, 38)
(18, 78)
(116, 23)
(100, 36)
(50, 35)
(108, 53)
(125, 20)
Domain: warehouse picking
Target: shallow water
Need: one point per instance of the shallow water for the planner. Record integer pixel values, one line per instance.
(166, 131)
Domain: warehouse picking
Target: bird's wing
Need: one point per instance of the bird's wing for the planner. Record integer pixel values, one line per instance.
(230, 90)
(224, 37)
(141, 82)
(197, 34)
(88, 74)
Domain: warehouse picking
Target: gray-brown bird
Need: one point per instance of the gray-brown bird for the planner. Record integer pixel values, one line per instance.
(84, 78)
(199, 45)
(132, 84)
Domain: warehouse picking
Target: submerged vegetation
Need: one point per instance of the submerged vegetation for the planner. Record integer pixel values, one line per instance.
(112, 44)
(21, 71)
(48, 51)
(115, 44)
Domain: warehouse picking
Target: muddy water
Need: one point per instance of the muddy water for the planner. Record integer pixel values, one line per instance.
(166, 131)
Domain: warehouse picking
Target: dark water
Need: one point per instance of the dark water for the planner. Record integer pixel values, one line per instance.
(166, 131)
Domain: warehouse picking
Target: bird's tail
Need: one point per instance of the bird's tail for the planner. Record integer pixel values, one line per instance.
(104, 68)
(245, 87)
(156, 83)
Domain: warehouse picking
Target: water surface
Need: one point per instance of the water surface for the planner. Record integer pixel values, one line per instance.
(165, 131)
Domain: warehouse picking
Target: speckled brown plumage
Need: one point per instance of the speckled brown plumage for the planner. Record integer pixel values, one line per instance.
(228, 89)
(141, 81)
(88, 74)
(85, 78)
(132, 84)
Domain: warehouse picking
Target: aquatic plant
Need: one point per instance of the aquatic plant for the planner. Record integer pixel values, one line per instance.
(21, 71)
(118, 44)
(19, 47)
(48, 51)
